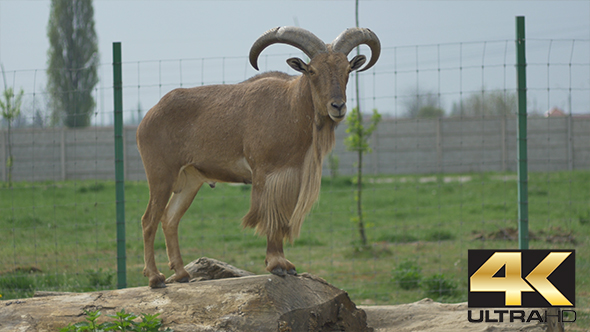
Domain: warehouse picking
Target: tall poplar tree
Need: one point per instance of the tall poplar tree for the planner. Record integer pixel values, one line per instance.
(73, 60)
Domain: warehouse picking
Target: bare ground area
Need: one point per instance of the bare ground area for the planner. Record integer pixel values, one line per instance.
(429, 316)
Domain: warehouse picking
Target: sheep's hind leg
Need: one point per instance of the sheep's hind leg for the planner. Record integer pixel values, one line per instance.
(159, 196)
(276, 263)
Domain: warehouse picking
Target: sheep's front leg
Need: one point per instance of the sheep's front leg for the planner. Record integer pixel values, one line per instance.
(274, 197)
(276, 263)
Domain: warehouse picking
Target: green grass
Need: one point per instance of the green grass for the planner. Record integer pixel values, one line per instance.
(66, 231)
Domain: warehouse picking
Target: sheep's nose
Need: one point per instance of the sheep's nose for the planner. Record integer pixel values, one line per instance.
(338, 105)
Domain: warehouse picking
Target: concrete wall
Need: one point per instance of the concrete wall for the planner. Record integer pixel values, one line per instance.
(459, 145)
(402, 146)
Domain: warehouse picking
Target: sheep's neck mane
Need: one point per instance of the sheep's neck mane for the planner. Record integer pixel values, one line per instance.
(311, 173)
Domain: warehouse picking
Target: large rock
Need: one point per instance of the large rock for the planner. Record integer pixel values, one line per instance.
(208, 269)
(254, 303)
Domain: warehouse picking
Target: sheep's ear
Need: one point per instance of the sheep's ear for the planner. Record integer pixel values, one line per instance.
(297, 64)
(357, 62)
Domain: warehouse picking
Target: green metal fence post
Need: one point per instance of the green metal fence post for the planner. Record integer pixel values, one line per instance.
(119, 170)
(521, 136)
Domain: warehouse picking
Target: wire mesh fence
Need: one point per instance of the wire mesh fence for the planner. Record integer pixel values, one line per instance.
(441, 178)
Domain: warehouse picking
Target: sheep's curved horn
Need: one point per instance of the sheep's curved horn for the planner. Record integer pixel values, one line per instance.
(353, 37)
(294, 36)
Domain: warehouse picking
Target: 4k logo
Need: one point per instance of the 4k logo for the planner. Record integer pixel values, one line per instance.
(523, 278)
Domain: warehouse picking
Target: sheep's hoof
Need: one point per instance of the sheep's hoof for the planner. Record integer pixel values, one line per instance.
(158, 284)
(183, 280)
(181, 277)
(158, 281)
(279, 271)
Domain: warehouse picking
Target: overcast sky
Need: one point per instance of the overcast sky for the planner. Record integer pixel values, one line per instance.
(160, 30)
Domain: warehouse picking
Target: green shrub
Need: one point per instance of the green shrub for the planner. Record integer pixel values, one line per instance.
(122, 322)
(100, 279)
(407, 275)
(438, 286)
(24, 281)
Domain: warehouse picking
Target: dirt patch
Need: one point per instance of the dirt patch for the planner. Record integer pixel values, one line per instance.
(553, 235)
(22, 270)
(429, 316)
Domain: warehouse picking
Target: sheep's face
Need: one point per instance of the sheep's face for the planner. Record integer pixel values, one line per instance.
(328, 75)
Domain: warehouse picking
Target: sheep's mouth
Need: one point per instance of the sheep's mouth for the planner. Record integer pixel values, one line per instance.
(338, 118)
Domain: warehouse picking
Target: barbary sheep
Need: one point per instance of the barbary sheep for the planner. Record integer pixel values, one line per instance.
(271, 131)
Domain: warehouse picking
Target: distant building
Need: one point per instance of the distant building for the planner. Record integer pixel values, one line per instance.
(555, 112)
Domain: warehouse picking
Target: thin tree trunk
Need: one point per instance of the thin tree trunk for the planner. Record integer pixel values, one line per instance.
(10, 160)
(359, 204)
